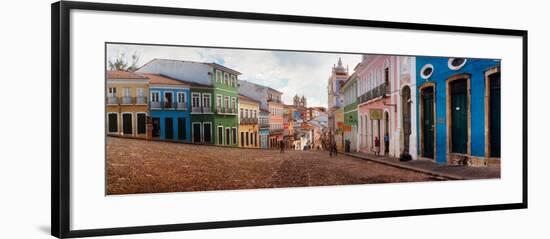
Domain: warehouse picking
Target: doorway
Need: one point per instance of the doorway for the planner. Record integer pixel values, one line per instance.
(428, 122)
(168, 128)
(406, 117)
(494, 115)
(459, 116)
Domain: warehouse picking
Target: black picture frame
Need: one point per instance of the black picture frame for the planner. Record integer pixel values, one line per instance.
(60, 117)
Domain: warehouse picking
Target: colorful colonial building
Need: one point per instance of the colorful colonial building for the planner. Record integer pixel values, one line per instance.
(458, 110)
(384, 104)
(263, 123)
(270, 101)
(349, 90)
(217, 86)
(249, 111)
(336, 101)
(169, 108)
(126, 102)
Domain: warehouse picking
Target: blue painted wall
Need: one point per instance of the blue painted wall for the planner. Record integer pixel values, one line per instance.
(476, 69)
(174, 114)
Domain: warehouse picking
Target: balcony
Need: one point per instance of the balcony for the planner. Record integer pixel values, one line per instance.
(112, 100)
(248, 120)
(226, 111)
(274, 100)
(167, 106)
(201, 110)
(378, 91)
(127, 100)
(264, 124)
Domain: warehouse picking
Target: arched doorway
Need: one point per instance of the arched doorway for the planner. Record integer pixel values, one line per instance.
(386, 136)
(459, 108)
(427, 122)
(406, 116)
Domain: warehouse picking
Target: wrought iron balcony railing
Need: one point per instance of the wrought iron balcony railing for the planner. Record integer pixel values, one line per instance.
(165, 105)
(126, 100)
(378, 91)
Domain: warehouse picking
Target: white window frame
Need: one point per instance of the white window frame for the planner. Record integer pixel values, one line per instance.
(226, 102)
(219, 101)
(226, 78)
(193, 96)
(234, 80)
(206, 96)
(234, 103)
(222, 136)
(153, 97)
(111, 91)
(454, 68)
(219, 76)
(424, 68)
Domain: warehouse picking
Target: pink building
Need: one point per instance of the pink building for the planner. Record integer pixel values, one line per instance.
(386, 104)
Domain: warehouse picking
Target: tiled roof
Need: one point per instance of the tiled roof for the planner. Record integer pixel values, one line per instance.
(124, 75)
(242, 97)
(163, 80)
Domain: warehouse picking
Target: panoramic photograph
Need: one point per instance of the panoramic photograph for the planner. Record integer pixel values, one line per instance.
(188, 118)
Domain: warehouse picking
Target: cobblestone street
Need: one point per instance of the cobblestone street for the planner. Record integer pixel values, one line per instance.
(140, 166)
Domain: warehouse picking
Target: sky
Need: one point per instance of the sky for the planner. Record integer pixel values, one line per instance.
(301, 73)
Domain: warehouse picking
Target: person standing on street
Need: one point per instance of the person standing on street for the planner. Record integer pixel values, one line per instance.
(282, 145)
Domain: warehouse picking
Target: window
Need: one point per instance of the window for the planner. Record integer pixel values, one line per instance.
(233, 81)
(234, 103)
(195, 100)
(456, 63)
(226, 78)
(206, 100)
(246, 113)
(426, 71)
(226, 102)
(112, 121)
(155, 96)
(111, 92)
(242, 114)
(139, 92)
(181, 97)
(126, 91)
(218, 76)
(219, 101)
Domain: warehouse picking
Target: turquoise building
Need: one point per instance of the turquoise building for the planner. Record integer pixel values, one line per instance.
(169, 108)
(458, 107)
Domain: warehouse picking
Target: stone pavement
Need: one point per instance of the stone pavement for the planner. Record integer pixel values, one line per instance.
(457, 172)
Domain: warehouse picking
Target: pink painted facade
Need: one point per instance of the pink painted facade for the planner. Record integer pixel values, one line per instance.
(381, 111)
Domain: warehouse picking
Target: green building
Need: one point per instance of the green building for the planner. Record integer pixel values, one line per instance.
(214, 97)
(349, 92)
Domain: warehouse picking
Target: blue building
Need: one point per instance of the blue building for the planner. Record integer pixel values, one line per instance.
(458, 107)
(169, 108)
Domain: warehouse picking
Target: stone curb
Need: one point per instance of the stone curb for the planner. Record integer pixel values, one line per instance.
(416, 169)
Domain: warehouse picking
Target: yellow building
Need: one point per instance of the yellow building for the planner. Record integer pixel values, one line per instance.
(339, 132)
(249, 111)
(126, 101)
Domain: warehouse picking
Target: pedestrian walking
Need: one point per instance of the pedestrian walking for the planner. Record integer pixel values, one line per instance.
(282, 146)
(376, 146)
(335, 149)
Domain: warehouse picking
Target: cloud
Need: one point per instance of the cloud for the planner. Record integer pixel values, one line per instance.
(290, 72)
